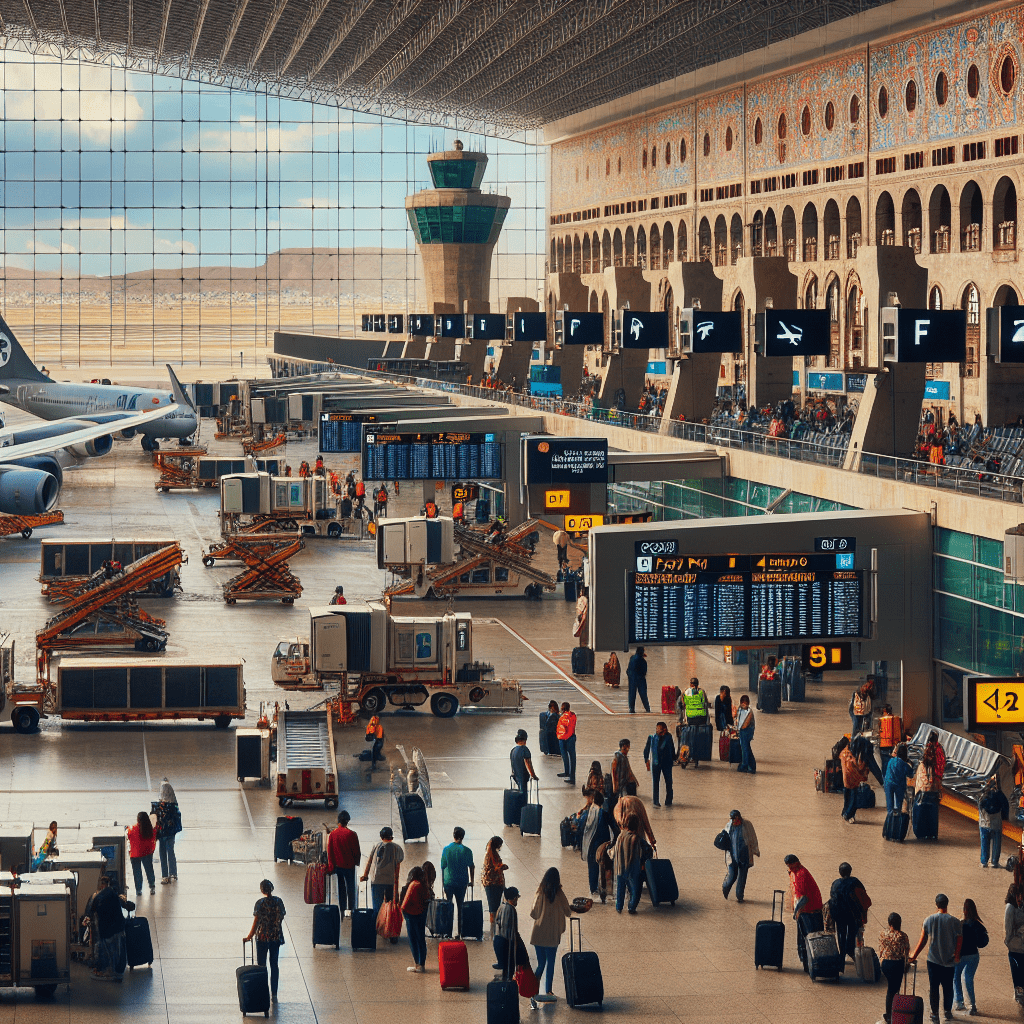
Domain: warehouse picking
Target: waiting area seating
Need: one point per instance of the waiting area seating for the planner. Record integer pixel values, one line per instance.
(969, 765)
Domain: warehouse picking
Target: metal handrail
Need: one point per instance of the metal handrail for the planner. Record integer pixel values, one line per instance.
(982, 482)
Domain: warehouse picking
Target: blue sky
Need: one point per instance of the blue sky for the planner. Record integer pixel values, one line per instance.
(106, 172)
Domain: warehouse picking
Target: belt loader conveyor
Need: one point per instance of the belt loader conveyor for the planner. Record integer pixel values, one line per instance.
(306, 767)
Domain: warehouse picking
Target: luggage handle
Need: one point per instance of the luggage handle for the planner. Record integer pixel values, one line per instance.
(913, 991)
(532, 784)
(579, 928)
(781, 902)
(251, 943)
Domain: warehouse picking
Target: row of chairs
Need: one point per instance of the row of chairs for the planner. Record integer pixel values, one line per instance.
(969, 765)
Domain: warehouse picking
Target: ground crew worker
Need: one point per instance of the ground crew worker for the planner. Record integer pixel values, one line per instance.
(566, 733)
(695, 704)
(304, 469)
(430, 510)
(890, 733)
(561, 539)
(381, 506)
(360, 494)
(339, 596)
(459, 512)
(375, 732)
(318, 467)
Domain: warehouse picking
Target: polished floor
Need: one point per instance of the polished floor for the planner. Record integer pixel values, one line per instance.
(691, 963)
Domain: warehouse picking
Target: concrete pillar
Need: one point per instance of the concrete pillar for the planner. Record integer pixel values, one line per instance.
(693, 388)
(769, 380)
(889, 413)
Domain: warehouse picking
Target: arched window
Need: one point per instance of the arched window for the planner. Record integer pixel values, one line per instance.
(608, 167)
(830, 116)
(728, 139)
(682, 151)
(805, 121)
(620, 165)
(972, 303)
(973, 81)
(935, 298)
(758, 132)
(654, 156)
(707, 144)
(1007, 74)
(883, 101)
(854, 109)
(668, 153)
(645, 158)
(811, 293)
(941, 89)
(782, 126)
(911, 96)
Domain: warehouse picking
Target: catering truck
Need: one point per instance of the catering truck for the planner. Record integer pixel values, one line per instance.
(376, 659)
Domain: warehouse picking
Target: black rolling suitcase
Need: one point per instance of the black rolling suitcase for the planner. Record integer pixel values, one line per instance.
(700, 740)
(661, 880)
(253, 986)
(926, 816)
(364, 925)
(287, 829)
(823, 957)
(441, 919)
(532, 815)
(581, 972)
(138, 943)
(568, 834)
(769, 696)
(896, 825)
(327, 920)
(502, 1002)
(552, 726)
(543, 736)
(514, 800)
(412, 814)
(735, 751)
(770, 937)
(472, 926)
(582, 661)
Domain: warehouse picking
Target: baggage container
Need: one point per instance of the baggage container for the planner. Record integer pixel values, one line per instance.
(502, 1002)
(582, 661)
(532, 814)
(513, 803)
(661, 880)
(926, 816)
(824, 961)
(471, 924)
(364, 924)
(412, 815)
(138, 942)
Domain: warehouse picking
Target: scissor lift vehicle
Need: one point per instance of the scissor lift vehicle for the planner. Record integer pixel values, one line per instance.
(252, 446)
(266, 576)
(179, 469)
(10, 525)
(107, 598)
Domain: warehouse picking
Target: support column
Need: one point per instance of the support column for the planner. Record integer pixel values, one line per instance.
(693, 388)
(769, 380)
(888, 415)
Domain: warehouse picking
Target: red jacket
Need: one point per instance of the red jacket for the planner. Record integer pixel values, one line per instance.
(566, 725)
(139, 847)
(342, 849)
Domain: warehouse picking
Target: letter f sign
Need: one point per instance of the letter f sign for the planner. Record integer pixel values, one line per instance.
(921, 330)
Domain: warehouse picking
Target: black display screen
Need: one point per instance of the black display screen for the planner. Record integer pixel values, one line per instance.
(582, 328)
(737, 599)
(452, 325)
(421, 325)
(713, 331)
(566, 460)
(489, 326)
(529, 326)
(342, 432)
(931, 335)
(642, 329)
(1010, 326)
(796, 332)
(396, 323)
(450, 455)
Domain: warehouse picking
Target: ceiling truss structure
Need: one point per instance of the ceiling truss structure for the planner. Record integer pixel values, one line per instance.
(502, 66)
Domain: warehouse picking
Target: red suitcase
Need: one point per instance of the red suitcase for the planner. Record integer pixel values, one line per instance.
(907, 1009)
(724, 739)
(668, 700)
(453, 964)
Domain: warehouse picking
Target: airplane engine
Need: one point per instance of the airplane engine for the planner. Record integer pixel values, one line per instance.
(25, 491)
(47, 463)
(126, 435)
(91, 449)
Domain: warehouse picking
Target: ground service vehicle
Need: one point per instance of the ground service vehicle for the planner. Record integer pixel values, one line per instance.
(377, 659)
(67, 562)
(306, 769)
(259, 501)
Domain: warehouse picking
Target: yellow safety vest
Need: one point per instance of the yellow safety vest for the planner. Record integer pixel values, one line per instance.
(696, 704)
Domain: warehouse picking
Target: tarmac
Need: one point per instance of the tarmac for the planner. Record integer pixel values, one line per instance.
(690, 962)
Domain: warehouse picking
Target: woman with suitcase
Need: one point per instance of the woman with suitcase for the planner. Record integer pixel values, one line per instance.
(1013, 932)
(414, 899)
(550, 911)
(268, 913)
(492, 877)
(893, 953)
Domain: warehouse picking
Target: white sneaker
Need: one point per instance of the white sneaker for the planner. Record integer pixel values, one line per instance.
(959, 1006)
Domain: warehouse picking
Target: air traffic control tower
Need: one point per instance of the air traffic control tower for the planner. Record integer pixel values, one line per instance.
(456, 226)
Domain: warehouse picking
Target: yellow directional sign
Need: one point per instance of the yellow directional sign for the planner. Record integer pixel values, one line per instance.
(994, 703)
(556, 499)
(822, 657)
(580, 524)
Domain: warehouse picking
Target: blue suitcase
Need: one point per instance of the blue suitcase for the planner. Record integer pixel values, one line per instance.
(770, 936)
(287, 829)
(364, 925)
(441, 919)
(327, 920)
(661, 881)
(513, 802)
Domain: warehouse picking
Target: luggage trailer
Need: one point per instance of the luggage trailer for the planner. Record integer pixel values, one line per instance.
(306, 767)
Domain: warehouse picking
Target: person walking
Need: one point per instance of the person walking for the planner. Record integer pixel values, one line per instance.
(457, 873)
(267, 920)
(343, 855)
(860, 708)
(168, 825)
(521, 761)
(385, 861)
(595, 778)
(975, 938)
(141, 847)
(723, 709)
(743, 849)
(492, 876)
(636, 673)
(1013, 931)
(623, 780)
(107, 913)
(745, 731)
(626, 860)
(897, 772)
(993, 810)
(48, 847)
(509, 949)
(550, 912)
(943, 935)
(375, 735)
(854, 773)
(848, 905)
(893, 953)
(695, 707)
(807, 905)
(612, 671)
(566, 733)
(561, 540)
(598, 828)
(659, 756)
(413, 901)
(628, 805)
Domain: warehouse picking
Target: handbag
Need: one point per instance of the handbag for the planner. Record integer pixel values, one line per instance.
(722, 841)
(528, 982)
(389, 920)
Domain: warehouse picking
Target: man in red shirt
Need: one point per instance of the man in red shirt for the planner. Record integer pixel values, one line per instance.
(566, 733)
(806, 904)
(342, 859)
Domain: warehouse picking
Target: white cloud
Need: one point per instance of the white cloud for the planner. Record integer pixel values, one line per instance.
(32, 92)
(316, 203)
(36, 246)
(182, 246)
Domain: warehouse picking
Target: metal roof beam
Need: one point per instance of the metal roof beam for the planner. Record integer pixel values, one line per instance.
(236, 21)
(268, 31)
(64, 17)
(131, 18)
(356, 10)
(31, 17)
(204, 6)
(383, 32)
(96, 20)
(315, 10)
(163, 31)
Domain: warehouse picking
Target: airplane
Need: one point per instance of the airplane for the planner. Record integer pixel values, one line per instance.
(24, 387)
(32, 460)
(794, 335)
(705, 328)
(635, 328)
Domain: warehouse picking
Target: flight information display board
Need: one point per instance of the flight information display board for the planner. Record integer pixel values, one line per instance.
(775, 598)
(449, 455)
(342, 432)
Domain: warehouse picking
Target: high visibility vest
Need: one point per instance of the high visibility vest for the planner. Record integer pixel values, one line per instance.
(566, 726)
(360, 489)
(696, 704)
(374, 729)
(890, 730)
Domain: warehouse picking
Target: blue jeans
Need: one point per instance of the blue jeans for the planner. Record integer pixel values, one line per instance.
(168, 862)
(273, 948)
(381, 894)
(567, 748)
(963, 978)
(894, 797)
(138, 863)
(457, 893)
(737, 875)
(747, 762)
(546, 960)
(416, 926)
(991, 839)
(628, 880)
(114, 954)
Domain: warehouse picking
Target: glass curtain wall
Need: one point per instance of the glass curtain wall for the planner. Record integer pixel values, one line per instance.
(147, 219)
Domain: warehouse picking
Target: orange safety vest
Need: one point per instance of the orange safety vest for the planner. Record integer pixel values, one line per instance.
(360, 489)
(890, 730)
(458, 511)
(431, 510)
(375, 730)
(566, 726)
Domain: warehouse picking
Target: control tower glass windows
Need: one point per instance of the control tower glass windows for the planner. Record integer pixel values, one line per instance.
(457, 173)
(476, 224)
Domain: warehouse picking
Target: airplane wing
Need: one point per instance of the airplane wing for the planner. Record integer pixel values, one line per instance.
(78, 431)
